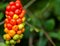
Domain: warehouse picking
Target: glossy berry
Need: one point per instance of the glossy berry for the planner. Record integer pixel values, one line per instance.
(18, 1)
(6, 30)
(15, 16)
(6, 20)
(19, 32)
(21, 26)
(9, 26)
(12, 22)
(15, 28)
(8, 8)
(18, 4)
(12, 3)
(12, 41)
(23, 30)
(11, 33)
(23, 19)
(13, 7)
(11, 13)
(7, 13)
(9, 18)
(7, 42)
(16, 37)
(22, 14)
(6, 37)
(17, 11)
(21, 36)
(19, 21)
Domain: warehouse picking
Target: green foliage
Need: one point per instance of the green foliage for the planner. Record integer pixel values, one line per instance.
(57, 8)
(1, 16)
(2, 44)
(49, 24)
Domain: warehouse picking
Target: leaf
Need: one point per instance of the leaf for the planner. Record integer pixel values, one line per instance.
(1, 16)
(57, 8)
(27, 32)
(53, 34)
(42, 42)
(2, 44)
(3, 5)
(58, 35)
(49, 24)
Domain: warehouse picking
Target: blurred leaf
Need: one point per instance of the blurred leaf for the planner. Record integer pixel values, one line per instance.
(53, 34)
(31, 29)
(2, 44)
(42, 42)
(1, 16)
(3, 5)
(46, 14)
(58, 35)
(27, 32)
(49, 24)
(58, 17)
(57, 8)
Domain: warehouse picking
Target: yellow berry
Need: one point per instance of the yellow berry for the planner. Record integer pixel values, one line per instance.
(15, 16)
(12, 42)
(6, 37)
(16, 37)
(23, 19)
(21, 26)
(7, 42)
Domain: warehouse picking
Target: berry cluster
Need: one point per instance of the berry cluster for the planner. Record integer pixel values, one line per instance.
(14, 23)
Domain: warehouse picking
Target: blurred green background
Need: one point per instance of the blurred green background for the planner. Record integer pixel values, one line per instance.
(42, 22)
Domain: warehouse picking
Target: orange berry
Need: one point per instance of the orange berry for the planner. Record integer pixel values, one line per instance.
(6, 37)
(19, 32)
(22, 14)
(11, 33)
(6, 30)
(4, 25)
(18, 41)
(15, 28)
(23, 19)
(23, 30)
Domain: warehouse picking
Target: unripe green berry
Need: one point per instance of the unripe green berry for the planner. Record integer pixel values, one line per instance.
(16, 37)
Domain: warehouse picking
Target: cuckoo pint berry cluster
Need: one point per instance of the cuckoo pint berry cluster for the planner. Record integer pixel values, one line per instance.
(14, 23)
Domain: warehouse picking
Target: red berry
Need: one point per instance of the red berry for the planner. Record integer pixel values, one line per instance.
(18, 4)
(19, 21)
(12, 3)
(9, 26)
(11, 13)
(9, 18)
(13, 7)
(8, 8)
(17, 11)
(18, 1)
(6, 20)
(6, 12)
(13, 22)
